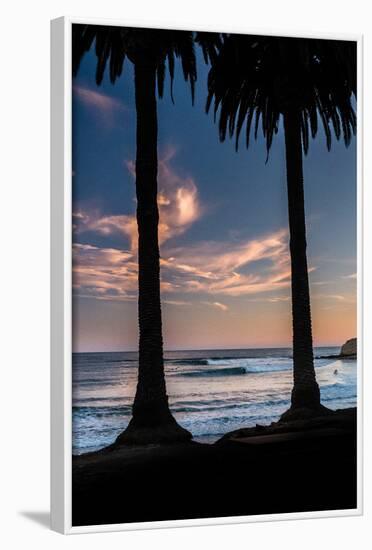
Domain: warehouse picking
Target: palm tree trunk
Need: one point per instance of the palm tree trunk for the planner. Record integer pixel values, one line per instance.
(305, 393)
(152, 420)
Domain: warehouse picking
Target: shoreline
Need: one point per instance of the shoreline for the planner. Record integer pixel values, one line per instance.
(352, 357)
(285, 467)
(207, 412)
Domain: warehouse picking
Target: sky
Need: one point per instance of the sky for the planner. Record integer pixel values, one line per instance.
(225, 271)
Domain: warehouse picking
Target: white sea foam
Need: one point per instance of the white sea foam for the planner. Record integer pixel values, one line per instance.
(210, 392)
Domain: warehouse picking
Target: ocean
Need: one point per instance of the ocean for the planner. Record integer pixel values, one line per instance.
(211, 392)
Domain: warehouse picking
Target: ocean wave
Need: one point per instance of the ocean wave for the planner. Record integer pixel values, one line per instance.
(195, 362)
(223, 360)
(104, 411)
(234, 371)
(229, 371)
(209, 393)
(98, 399)
(258, 359)
(230, 406)
(100, 382)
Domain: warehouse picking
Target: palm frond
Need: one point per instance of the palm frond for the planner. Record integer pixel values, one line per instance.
(112, 45)
(257, 77)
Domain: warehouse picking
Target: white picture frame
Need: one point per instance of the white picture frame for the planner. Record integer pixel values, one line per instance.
(61, 288)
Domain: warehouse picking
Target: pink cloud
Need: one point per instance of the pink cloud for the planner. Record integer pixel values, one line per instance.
(186, 267)
(109, 273)
(177, 302)
(218, 305)
(213, 268)
(103, 273)
(106, 107)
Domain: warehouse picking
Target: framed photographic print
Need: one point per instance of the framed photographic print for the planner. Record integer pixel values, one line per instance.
(206, 287)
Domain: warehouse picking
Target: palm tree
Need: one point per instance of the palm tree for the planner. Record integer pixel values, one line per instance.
(150, 51)
(257, 80)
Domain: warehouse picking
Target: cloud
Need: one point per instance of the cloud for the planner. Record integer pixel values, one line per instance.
(277, 299)
(215, 268)
(346, 298)
(177, 302)
(231, 271)
(105, 106)
(103, 273)
(217, 305)
(178, 201)
(106, 225)
(352, 276)
(337, 297)
(230, 267)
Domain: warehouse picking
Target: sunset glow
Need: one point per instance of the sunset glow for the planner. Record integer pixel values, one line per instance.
(225, 267)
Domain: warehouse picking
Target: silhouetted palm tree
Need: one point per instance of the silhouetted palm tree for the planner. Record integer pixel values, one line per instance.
(150, 51)
(254, 80)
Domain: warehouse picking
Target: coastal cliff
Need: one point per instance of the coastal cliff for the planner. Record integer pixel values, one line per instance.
(349, 348)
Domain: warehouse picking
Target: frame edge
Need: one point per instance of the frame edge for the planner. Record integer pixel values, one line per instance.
(59, 432)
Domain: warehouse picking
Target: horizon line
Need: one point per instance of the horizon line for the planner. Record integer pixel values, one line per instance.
(211, 349)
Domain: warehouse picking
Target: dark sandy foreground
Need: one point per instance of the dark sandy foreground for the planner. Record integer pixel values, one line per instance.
(293, 467)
